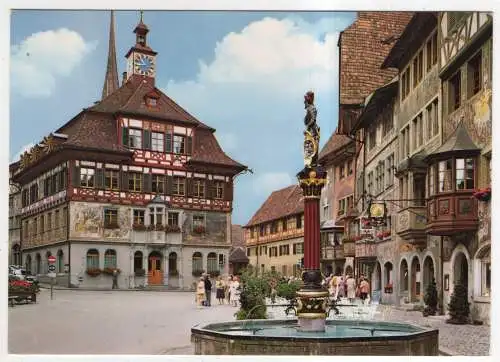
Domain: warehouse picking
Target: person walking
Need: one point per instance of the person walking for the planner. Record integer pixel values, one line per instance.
(341, 287)
(235, 293)
(351, 288)
(208, 290)
(115, 279)
(219, 290)
(364, 288)
(227, 288)
(200, 292)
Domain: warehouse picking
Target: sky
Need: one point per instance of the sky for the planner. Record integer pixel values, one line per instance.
(242, 73)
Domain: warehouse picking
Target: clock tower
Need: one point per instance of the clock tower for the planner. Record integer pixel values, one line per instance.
(141, 59)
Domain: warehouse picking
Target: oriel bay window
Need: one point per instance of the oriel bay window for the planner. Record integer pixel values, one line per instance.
(156, 215)
(111, 179)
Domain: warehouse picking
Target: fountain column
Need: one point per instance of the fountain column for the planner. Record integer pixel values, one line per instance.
(312, 298)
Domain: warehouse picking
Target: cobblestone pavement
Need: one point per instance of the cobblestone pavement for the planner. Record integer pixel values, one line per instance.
(105, 322)
(85, 322)
(467, 340)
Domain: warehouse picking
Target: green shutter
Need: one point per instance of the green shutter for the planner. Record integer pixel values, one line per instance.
(125, 136)
(189, 186)
(146, 139)
(189, 145)
(75, 177)
(124, 181)
(147, 182)
(170, 185)
(168, 142)
(99, 178)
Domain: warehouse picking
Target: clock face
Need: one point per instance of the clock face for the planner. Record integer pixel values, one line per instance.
(144, 64)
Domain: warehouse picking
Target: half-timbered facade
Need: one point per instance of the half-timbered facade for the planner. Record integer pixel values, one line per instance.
(274, 236)
(133, 183)
(459, 171)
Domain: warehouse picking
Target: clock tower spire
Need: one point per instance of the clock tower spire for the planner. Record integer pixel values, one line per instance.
(141, 59)
(111, 78)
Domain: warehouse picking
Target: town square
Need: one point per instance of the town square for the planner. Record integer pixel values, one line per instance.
(297, 183)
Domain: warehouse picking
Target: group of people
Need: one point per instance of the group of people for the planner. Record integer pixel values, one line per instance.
(226, 290)
(348, 287)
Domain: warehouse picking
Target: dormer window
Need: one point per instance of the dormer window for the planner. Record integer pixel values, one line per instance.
(151, 102)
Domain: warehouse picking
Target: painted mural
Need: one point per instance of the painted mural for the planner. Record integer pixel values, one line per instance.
(484, 231)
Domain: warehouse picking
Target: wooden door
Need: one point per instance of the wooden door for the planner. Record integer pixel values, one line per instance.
(155, 274)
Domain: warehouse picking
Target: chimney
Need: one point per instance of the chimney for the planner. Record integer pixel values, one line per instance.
(124, 77)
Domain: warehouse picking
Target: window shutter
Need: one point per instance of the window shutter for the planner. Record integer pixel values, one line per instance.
(170, 185)
(147, 139)
(168, 142)
(228, 191)
(45, 184)
(75, 177)
(189, 186)
(124, 181)
(99, 178)
(147, 182)
(125, 136)
(189, 145)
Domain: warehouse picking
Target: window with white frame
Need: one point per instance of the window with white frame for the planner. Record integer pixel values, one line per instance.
(199, 188)
(138, 217)
(135, 138)
(156, 215)
(157, 141)
(173, 218)
(179, 144)
(219, 190)
(179, 186)
(87, 176)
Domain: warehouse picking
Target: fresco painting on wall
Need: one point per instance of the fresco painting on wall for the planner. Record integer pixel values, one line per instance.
(87, 220)
(124, 225)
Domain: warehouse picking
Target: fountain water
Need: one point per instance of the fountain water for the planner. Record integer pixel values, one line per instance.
(313, 331)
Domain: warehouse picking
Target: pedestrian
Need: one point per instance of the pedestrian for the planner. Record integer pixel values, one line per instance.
(200, 293)
(364, 288)
(227, 288)
(208, 290)
(351, 288)
(341, 287)
(115, 279)
(219, 288)
(235, 292)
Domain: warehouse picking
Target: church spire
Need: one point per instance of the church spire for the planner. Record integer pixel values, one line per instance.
(111, 78)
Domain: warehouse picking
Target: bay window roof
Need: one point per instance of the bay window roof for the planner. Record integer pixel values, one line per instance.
(457, 144)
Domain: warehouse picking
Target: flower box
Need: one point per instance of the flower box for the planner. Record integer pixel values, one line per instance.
(172, 229)
(139, 227)
(357, 238)
(483, 194)
(388, 288)
(111, 226)
(109, 271)
(94, 272)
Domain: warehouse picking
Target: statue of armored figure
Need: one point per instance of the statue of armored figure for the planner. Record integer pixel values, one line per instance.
(312, 132)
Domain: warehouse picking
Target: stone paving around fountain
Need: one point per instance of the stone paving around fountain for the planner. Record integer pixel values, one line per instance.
(129, 322)
(466, 340)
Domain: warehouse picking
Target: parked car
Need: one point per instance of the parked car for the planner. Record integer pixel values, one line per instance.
(17, 272)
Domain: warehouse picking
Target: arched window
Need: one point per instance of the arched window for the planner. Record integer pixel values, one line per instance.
(403, 276)
(92, 259)
(212, 263)
(197, 262)
(60, 261)
(110, 258)
(138, 260)
(172, 263)
(38, 268)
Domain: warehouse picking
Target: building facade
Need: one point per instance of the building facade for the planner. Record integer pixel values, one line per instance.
(133, 183)
(14, 219)
(274, 236)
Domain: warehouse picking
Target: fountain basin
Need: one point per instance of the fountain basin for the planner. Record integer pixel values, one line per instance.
(341, 337)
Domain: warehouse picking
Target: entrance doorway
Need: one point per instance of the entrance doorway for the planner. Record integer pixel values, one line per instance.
(428, 272)
(377, 277)
(461, 271)
(155, 271)
(416, 285)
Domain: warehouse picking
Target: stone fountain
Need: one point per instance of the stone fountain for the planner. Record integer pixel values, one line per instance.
(311, 333)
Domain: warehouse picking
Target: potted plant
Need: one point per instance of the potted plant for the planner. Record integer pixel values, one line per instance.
(160, 227)
(199, 229)
(93, 272)
(386, 233)
(172, 229)
(430, 299)
(139, 272)
(110, 270)
(483, 194)
(459, 306)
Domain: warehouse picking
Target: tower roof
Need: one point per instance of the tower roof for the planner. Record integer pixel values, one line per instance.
(111, 77)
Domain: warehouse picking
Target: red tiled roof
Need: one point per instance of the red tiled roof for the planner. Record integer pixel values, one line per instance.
(281, 203)
(237, 236)
(362, 53)
(334, 143)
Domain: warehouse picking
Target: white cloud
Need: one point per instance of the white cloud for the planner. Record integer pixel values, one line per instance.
(17, 156)
(40, 59)
(268, 182)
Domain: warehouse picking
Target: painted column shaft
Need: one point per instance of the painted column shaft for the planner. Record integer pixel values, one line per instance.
(311, 234)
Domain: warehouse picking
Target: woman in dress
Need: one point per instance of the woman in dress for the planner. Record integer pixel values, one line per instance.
(219, 287)
(229, 281)
(200, 292)
(234, 292)
(351, 288)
